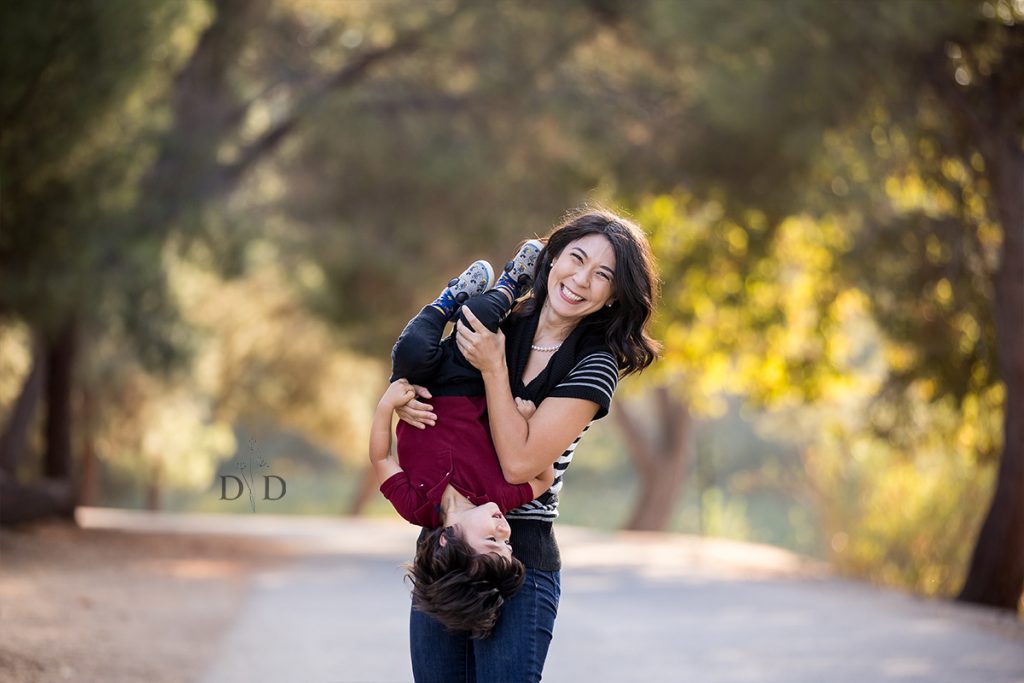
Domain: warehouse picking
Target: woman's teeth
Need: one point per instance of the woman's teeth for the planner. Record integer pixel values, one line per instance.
(570, 296)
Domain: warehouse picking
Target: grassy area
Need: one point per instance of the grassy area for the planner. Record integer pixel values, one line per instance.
(731, 491)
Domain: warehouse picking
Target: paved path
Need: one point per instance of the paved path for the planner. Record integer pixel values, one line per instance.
(640, 607)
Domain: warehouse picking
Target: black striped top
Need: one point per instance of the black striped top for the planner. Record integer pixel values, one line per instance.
(593, 378)
(583, 367)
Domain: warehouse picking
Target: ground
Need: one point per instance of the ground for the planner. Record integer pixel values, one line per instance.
(246, 598)
(109, 605)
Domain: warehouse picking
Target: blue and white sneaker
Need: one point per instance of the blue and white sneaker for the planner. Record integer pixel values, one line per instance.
(520, 271)
(473, 281)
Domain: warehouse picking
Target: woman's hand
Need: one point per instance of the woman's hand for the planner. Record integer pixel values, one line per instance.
(485, 350)
(417, 413)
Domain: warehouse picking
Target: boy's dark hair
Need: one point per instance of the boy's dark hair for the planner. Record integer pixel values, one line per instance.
(460, 588)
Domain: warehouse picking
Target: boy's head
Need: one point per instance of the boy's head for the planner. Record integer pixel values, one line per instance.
(457, 584)
(483, 527)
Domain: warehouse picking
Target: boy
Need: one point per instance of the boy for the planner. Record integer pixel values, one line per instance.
(447, 478)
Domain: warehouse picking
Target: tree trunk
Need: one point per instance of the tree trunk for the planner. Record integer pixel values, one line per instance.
(60, 363)
(20, 503)
(89, 467)
(15, 435)
(996, 574)
(662, 460)
(367, 487)
(154, 489)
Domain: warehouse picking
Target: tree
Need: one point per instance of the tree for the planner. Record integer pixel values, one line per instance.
(72, 76)
(773, 87)
(78, 79)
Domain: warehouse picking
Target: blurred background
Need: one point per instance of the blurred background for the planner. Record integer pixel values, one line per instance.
(217, 215)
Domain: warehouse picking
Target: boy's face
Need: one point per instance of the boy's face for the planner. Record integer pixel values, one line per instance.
(484, 528)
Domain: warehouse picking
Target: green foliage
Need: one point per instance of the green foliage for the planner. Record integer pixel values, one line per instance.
(80, 80)
(450, 156)
(899, 478)
(836, 244)
(774, 326)
(902, 517)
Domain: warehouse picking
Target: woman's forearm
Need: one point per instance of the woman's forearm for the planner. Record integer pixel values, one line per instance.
(509, 430)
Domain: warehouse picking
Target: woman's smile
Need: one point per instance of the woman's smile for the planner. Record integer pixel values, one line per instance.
(569, 295)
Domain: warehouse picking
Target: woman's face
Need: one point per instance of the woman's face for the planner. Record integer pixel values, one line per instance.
(582, 277)
(484, 528)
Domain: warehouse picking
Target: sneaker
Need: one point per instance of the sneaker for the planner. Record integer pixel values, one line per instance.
(523, 265)
(520, 270)
(474, 281)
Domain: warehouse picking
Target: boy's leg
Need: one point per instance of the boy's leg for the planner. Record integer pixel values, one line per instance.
(452, 369)
(521, 268)
(416, 355)
(490, 308)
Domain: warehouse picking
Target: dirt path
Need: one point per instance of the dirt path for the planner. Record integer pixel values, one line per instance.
(314, 599)
(108, 605)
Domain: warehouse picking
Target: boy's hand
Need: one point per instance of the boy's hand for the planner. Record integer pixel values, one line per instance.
(525, 408)
(416, 413)
(398, 393)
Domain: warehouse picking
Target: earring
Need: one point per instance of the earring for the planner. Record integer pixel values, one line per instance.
(608, 305)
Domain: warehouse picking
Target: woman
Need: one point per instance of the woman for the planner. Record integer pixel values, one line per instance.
(564, 349)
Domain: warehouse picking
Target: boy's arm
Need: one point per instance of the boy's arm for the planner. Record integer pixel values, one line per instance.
(385, 464)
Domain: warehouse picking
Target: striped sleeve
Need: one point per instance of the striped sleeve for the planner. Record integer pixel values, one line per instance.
(593, 378)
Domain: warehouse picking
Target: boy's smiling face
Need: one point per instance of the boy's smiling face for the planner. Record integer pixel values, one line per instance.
(484, 528)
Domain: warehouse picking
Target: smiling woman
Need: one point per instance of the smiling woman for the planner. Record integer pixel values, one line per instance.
(562, 349)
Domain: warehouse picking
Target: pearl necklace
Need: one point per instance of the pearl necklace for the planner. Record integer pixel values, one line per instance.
(545, 349)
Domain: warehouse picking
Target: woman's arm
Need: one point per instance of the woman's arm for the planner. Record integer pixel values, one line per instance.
(543, 481)
(525, 447)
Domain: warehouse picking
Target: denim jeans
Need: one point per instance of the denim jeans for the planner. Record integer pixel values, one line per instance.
(515, 651)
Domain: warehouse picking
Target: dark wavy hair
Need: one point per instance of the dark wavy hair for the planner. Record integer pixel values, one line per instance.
(460, 588)
(635, 288)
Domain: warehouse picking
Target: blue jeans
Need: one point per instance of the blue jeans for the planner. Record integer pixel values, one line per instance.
(514, 653)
